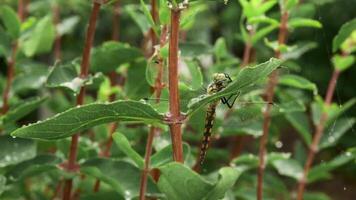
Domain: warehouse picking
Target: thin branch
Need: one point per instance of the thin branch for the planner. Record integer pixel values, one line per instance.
(175, 126)
(84, 70)
(12, 62)
(248, 47)
(319, 129)
(116, 22)
(57, 42)
(272, 82)
(153, 130)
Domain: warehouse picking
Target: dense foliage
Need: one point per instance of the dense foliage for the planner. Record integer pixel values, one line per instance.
(107, 99)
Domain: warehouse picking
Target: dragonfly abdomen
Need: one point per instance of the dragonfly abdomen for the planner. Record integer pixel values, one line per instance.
(209, 120)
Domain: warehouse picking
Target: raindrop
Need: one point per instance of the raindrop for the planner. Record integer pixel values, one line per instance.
(331, 139)
(278, 144)
(7, 158)
(14, 136)
(348, 154)
(345, 188)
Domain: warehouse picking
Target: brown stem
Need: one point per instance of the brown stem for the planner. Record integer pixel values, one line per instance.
(248, 47)
(106, 152)
(84, 70)
(116, 22)
(146, 170)
(112, 76)
(57, 42)
(154, 14)
(12, 62)
(272, 82)
(319, 129)
(175, 128)
(153, 130)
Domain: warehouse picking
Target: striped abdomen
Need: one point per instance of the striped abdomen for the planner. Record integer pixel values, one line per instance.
(209, 120)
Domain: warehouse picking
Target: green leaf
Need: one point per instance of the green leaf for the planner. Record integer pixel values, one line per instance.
(288, 167)
(188, 17)
(227, 179)
(41, 38)
(84, 117)
(11, 21)
(263, 32)
(343, 34)
(300, 122)
(23, 109)
(149, 17)
(67, 77)
(138, 17)
(196, 75)
(164, 156)
(194, 49)
(315, 196)
(2, 184)
(32, 79)
(164, 12)
(67, 25)
(335, 111)
(335, 131)
(107, 195)
(220, 49)
(191, 185)
(291, 3)
(322, 170)
(124, 145)
(303, 22)
(246, 77)
(136, 86)
(342, 63)
(263, 19)
(15, 150)
(109, 56)
(32, 167)
(122, 176)
(297, 82)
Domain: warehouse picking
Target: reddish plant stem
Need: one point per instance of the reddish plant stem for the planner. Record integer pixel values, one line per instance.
(153, 130)
(146, 170)
(57, 42)
(116, 22)
(272, 82)
(12, 62)
(239, 141)
(319, 129)
(72, 165)
(112, 75)
(106, 152)
(175, 126)
(248, 47)
(154, 14)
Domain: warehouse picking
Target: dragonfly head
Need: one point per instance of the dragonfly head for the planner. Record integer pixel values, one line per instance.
(222, 79)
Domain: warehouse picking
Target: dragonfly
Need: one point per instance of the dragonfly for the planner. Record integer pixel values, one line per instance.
(219, 82)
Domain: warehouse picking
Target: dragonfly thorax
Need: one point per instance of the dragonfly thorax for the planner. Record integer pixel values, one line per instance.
(220, 81)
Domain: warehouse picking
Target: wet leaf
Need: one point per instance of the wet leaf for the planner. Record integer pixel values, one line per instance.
(343, 34)
(335, 131)
(41, 38)
(124, 145)
(191, 185)
(32, 167)
(15, 150)
(122, 176)
(23, 109)
(81, 118)
(109, 56)
(246, 77)
(11, 21)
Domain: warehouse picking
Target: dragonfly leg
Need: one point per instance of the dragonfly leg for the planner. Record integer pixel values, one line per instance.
(226, 101)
